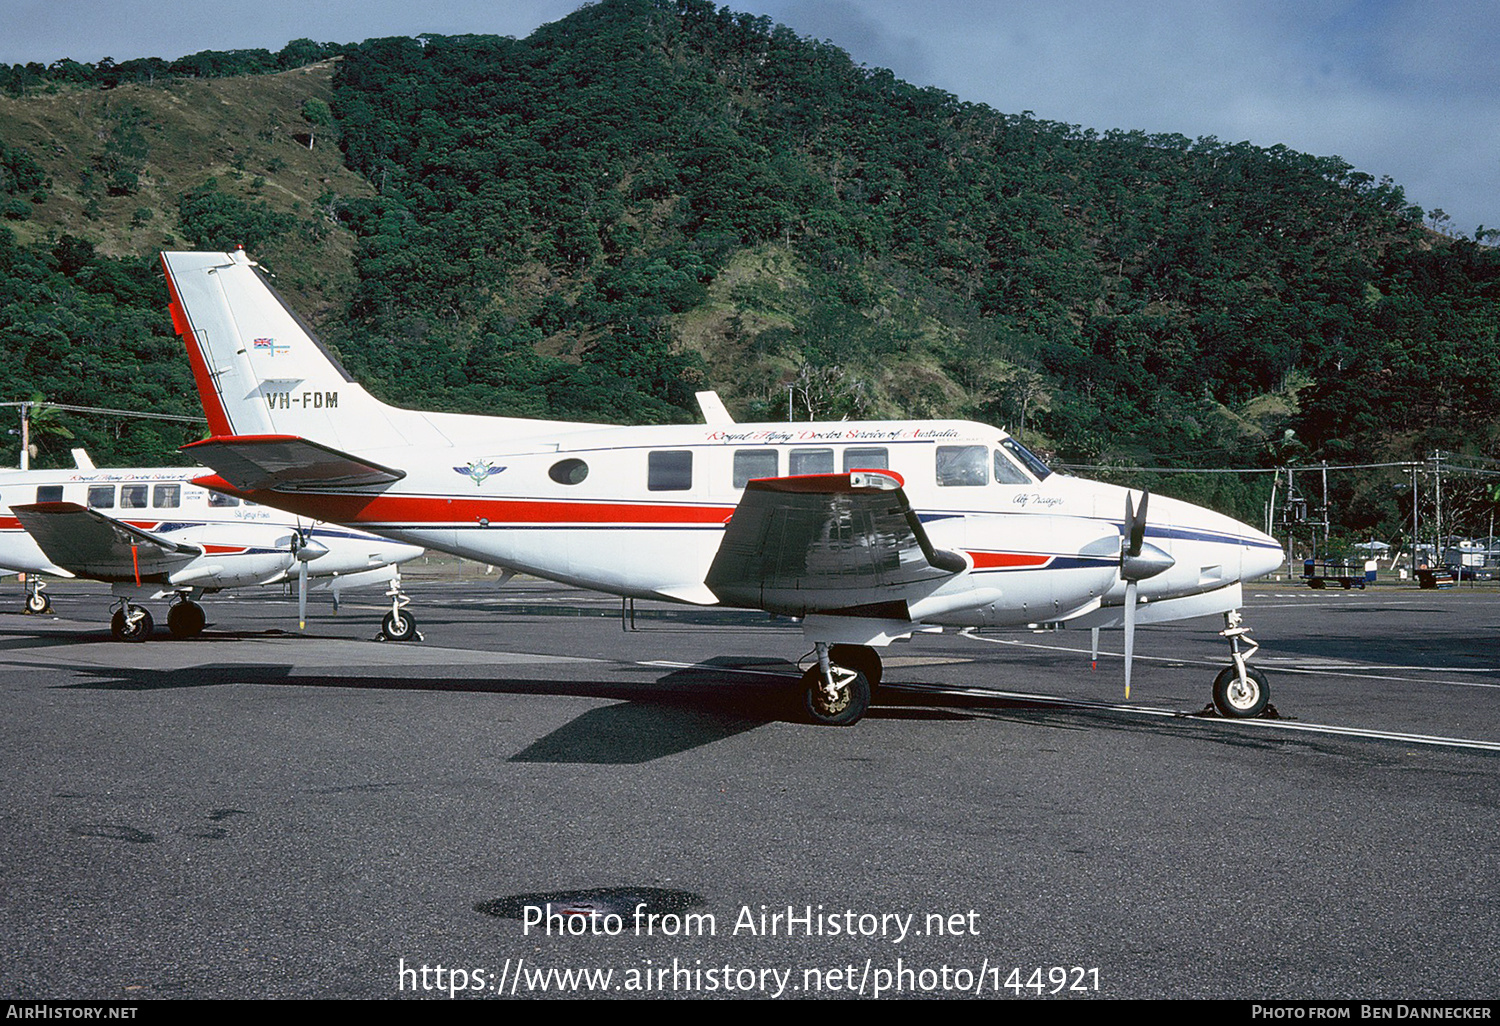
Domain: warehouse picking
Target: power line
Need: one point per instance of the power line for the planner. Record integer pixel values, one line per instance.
(43, 404)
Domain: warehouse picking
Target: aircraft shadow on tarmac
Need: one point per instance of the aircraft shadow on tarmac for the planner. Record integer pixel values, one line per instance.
(680, 710)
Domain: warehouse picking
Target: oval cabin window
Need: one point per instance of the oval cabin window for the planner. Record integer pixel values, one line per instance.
(569, 472)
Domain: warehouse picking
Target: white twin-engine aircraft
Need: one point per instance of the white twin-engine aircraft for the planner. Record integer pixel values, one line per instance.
(867, 531)
(153, 533)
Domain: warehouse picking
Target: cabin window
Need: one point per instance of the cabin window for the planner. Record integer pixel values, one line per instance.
(49, 493)
(811, 461)
(669, 471)
(962, 466)
(166, 496)
(569, 472)
(752, 463)
(101, 496)
(133, 496)
(867, 459)
(1007, 472)
(222, 501)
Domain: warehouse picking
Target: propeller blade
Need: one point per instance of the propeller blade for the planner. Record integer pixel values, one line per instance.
(1135, 525)
(1130, 587)
(302, 594)
(1094, 652)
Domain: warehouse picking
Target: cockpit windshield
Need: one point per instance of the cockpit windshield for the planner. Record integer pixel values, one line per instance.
(1028, 459)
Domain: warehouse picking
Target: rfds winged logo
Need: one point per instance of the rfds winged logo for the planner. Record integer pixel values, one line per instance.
(478, 470)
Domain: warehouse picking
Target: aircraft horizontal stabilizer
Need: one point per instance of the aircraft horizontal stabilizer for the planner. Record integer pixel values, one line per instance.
(87, 541)
(285, 462)
(832, 543)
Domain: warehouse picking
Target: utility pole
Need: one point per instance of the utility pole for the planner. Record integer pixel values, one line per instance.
(1415, 537)
(1437, 516)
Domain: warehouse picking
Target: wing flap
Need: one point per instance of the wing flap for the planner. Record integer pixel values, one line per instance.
(830, 543)
(287, 462)
(87, 542)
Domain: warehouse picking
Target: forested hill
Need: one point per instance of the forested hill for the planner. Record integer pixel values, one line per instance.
(650, 197)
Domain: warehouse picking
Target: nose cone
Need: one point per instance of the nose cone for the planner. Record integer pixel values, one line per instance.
(1260, 555)
(399, 552)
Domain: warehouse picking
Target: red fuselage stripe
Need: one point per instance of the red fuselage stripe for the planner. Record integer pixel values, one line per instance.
(991, 560)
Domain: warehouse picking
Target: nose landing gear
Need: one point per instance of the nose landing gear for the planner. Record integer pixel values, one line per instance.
(398, 625)
(36, 602)
(1240, 692)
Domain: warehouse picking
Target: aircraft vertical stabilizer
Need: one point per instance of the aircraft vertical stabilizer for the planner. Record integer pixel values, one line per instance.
(261, 370)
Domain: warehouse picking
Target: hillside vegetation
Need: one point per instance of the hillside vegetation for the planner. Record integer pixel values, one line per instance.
(650, 197)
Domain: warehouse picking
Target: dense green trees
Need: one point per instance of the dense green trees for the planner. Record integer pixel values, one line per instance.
(89, 331)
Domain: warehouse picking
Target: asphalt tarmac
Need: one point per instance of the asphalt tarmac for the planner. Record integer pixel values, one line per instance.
(258, 813)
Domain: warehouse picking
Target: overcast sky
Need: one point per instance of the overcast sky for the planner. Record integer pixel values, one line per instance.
(1406, 88)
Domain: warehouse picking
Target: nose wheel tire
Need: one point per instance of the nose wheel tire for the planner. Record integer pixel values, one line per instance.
(399, 626)
(1239, 700)
(845, 707)
(37, 603)
(131, 628)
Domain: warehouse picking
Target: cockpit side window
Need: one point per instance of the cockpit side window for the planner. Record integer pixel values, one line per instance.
(1007, 472)
(1028, 459)
(963, 466)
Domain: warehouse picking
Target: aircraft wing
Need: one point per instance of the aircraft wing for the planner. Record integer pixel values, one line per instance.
(287, 462)
(843, 544)
(86, 541)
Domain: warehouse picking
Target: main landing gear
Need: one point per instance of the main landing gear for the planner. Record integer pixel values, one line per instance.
(131, 622)
(186, 619)
(1240, 692)
(398, 624)
(838, 688)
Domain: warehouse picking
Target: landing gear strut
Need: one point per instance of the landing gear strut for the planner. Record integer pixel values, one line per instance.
(130, 623)
(398, 625)
(1240, 692)
(834, 695)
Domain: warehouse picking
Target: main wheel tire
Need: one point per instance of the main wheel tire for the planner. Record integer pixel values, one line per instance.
(845, 710)
(37, 603)
(124, 629)
(1238, 702)
(186, 620)
(399, 626)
